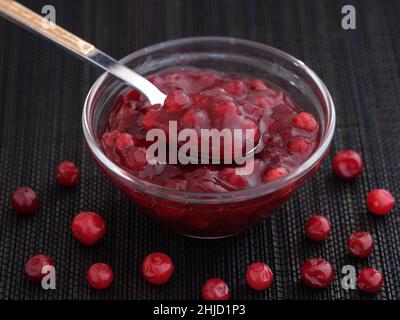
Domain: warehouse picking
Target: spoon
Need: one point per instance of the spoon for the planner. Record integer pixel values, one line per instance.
(19, 14)
(25, 17)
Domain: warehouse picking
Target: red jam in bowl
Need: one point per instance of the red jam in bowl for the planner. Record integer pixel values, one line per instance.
(197, 100)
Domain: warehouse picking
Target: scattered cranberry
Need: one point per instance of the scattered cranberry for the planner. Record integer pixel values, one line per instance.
(67, 173)
(305, 121)
(215, 289)
(99, 276)
(360, 244)
(317, 273)
(318, 228)
(24, 200)
(34, 267)
(259, 276)
(380, 202)
(157, 268)
(347, 164)
(274, 174)
(88, 227)
(370, 280)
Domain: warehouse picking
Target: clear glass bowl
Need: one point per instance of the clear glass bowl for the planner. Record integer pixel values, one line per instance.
(213, 215)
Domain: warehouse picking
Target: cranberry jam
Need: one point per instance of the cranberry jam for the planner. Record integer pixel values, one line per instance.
(208, 100)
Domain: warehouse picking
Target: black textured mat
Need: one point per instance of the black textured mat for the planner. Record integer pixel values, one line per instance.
(42, 89)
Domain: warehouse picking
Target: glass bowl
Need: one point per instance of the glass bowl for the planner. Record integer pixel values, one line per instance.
(206, 214)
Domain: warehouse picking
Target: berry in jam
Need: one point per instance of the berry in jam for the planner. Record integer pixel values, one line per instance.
(207, 100)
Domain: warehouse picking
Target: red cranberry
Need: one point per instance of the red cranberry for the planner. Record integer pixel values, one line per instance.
(195, 118)
(136, 158)
(24, 200)
(317, 273)
(157, 268)
(131, 95)
(67, 173)
(274, 174)
(347, 164)
(88, 227)
(259, 276)
(360, 244)
(176, 100)
(34, 267)
(150, 119)
(99, 276)
(215, 289)
(224, 108)
(123, 142)
(236, 88)
(257, 85)
(229, 175)
(370, 280)
(380, 202)
(304, 121)
(318, 228)
(299, 145)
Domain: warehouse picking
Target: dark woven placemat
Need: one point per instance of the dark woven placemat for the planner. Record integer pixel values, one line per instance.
(42, 89)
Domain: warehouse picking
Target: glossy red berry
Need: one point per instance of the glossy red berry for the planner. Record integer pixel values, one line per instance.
(236, 87)
(215, 289)
(347, 164)
(257, 85)
(299, 145)
(318, 228)
(157, 268)
(176, 101)
(274, 174)
(305, 121)
(67, 173)
(24, 200)
(99, 276)
(370, 280)
(317, 273)
(360, 244)
(131, 95)
(380, 201)
(88, 227)
(259, 276)
(34, 267)
(237, 181)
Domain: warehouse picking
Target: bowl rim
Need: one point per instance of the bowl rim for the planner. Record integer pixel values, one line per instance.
(212, 197)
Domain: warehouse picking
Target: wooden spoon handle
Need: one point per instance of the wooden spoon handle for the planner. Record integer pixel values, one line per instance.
(29, 19)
